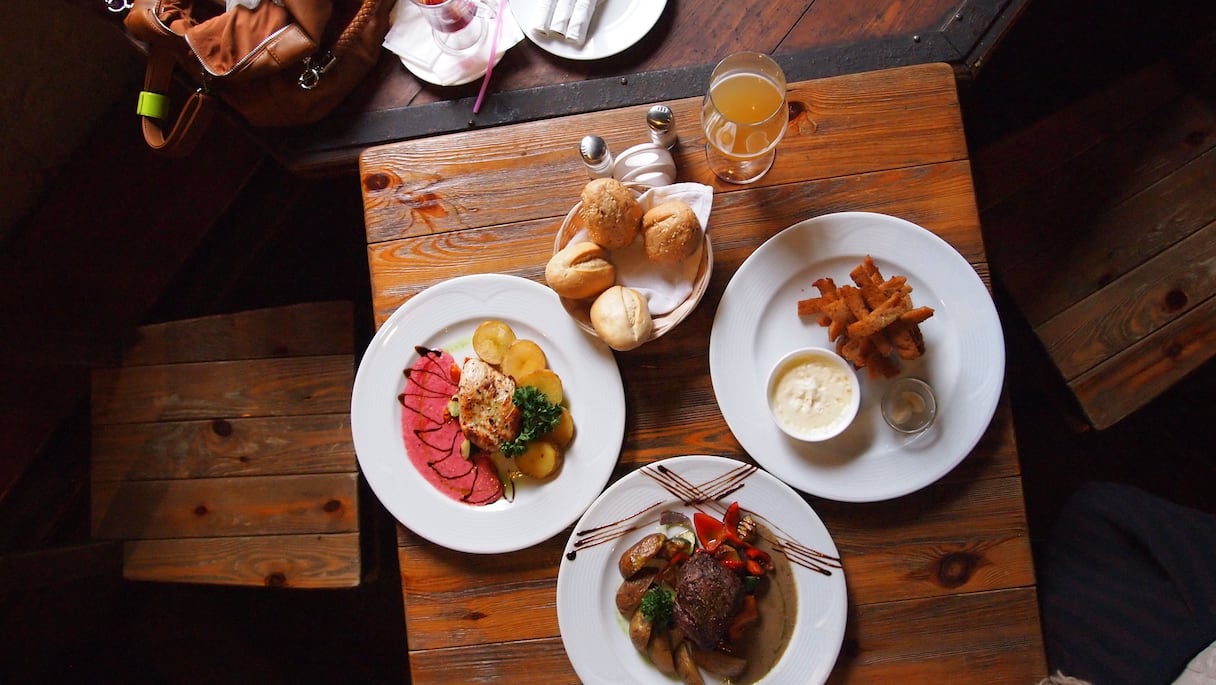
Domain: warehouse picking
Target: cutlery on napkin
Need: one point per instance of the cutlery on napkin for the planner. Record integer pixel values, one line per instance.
(566, 19)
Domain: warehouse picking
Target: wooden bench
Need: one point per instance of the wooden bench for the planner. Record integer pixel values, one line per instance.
(222, 452)
(1100, 222)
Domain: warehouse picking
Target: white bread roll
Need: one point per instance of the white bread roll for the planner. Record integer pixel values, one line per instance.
(621, 318)
(611, 212)
(580, 270)
(670, 232)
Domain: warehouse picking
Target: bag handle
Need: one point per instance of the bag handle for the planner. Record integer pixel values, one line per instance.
(191, 121)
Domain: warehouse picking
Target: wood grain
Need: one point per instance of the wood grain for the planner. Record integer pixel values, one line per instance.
(258, 387)
(918, 567)
(287, 561)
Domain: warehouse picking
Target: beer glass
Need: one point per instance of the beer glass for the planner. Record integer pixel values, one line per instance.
(744, 116)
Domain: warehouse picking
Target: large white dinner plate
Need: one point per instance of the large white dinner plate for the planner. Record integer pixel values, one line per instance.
(445, 316)
(757, 322)
(596, 638)
(615, 26)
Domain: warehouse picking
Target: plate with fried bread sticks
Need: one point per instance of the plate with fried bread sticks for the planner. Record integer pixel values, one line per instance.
(775, 302)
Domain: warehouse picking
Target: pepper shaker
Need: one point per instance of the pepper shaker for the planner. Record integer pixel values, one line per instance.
(661, 123)
(596, 156)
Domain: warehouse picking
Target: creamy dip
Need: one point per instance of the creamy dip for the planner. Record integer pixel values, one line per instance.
(811, 396)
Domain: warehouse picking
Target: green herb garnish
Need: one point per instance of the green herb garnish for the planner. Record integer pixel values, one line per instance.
(658, 605)
(540, 416)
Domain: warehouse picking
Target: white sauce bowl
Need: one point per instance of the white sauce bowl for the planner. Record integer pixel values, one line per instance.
(813, 394)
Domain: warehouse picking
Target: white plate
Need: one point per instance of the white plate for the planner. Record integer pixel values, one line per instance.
(597, 640)
(445, 316)
(964, 361)
(616, 25)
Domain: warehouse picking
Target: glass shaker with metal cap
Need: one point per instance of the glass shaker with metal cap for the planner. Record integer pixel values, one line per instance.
(596, 156)
(661, 123)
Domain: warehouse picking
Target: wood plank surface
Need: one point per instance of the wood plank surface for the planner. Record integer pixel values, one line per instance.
(941, 582)
(223, 447)
(290, 561)
(226, 507)
(308, 329)
(209, 390)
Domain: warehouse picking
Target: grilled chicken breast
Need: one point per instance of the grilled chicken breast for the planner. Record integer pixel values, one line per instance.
(488, 416)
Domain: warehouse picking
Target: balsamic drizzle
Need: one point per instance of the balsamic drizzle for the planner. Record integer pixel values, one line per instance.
(708, 495)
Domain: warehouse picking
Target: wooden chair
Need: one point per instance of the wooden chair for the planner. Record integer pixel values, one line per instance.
(222, 452)
(1100, 222)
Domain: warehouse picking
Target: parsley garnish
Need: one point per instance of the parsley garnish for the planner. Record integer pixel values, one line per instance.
(540, 416)
(658, 606)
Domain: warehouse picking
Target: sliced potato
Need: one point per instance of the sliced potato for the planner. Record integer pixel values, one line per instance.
(564, 432)
(639, 630)
(546, 381)
(685, 666)
(539, 460)
(660, 654)
(522, 358)
(491, 340)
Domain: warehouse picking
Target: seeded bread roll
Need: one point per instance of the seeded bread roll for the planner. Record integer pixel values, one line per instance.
(580, 270)
(621, 318)
(611, 212)
(670, 232)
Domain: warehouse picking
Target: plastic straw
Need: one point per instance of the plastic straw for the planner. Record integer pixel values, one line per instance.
(485, 80)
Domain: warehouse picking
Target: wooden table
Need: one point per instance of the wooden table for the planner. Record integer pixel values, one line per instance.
(941, 582)
(810, 38)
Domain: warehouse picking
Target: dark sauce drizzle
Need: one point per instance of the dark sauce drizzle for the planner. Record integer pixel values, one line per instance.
(708, 495)
(413, 388)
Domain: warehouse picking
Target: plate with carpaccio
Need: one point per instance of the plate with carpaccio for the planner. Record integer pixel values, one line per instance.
(408, 442)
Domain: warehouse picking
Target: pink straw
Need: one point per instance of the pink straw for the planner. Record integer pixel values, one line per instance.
(485, 81)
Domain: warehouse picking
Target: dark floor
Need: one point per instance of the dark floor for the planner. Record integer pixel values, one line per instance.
(147, 632)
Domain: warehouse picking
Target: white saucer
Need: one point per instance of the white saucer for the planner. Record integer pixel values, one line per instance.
(409, 37)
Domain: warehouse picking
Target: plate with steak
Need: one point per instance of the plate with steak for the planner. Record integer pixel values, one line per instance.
(439, 431)
(701, 569)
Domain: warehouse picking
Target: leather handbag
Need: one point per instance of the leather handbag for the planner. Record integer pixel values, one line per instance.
(282, 63)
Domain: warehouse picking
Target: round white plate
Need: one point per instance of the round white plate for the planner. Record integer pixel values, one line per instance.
(445, 316)
(757, 322)
(597, 640)
(615, 26)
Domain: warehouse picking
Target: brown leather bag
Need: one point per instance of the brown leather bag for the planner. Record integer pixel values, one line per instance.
(285, 63)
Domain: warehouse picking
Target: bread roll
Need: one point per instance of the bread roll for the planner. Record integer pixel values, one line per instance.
(621, 318)
(580, 270)
(670, 232)
(611, 212)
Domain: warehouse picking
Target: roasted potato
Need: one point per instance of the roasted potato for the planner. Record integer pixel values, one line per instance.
(539, 460)
(719, 663)
(660, 653)
(686, 666)
(546, 381)
(522, 358)
(639, 630)
(491, 340)
(564, 433)
(640, 554)
(629, 594)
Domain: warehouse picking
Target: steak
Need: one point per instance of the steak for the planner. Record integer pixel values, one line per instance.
(488, 416)
(707, 599)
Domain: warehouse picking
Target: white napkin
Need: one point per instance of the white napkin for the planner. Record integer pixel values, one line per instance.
(567, 19)
(665, 286)
(409, 37)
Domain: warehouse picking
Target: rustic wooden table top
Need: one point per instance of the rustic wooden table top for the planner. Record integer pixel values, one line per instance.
(810, 38)
(941, 585)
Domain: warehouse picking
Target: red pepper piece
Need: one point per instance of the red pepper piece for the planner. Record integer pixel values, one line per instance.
(747, 616)
(710, 531)
(731, 518)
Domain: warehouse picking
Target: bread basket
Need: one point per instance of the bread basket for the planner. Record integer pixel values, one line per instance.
(580, 310)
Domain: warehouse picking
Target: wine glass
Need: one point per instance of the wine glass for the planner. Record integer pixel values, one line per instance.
(744, 116)
(459, 26)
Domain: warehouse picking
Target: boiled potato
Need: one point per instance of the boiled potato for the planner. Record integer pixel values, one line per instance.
(546, 381)
(539, 460)
(564, 432)
(491, 340)
(639, 630)
(522, 358)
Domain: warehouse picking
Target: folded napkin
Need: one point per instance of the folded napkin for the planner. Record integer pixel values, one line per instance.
(409, 37)
(567, 19)
(665, 286)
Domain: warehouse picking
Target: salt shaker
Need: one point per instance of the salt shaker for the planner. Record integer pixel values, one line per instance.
(661, 123)
(596, 156)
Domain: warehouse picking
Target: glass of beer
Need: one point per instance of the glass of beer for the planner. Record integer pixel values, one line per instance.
(744, 116)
